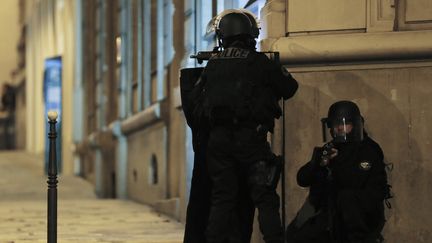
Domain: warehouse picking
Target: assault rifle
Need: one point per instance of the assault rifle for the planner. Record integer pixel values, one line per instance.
(206, 55)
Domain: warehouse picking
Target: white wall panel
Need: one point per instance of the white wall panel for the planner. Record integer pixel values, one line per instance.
(318, 15)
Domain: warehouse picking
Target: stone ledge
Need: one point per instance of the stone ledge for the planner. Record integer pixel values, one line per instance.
(169, 207)
(176, 98)
(359, 47)
(141, 119)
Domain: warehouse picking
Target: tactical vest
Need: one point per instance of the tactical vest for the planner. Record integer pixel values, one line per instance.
(234, 88)
(228, 90)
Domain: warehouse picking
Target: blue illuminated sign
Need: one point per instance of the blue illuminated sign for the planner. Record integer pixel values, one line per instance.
(52, 89)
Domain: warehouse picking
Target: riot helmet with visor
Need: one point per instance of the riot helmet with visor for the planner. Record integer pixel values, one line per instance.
(214, 25)
(255, 31)
(344, 123)
(233, 24)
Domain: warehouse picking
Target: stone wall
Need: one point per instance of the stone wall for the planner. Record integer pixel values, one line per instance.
(395, 102)
(377, 54)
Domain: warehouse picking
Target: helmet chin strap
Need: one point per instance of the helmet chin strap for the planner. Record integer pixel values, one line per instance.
(219, 43)
(343, 139)
(340, 139)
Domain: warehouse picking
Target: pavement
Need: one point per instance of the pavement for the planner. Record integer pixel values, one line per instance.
(82, 217)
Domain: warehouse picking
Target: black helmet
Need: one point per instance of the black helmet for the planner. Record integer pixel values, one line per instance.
(233, 24)
(213, 24)
(253, 19)
(344, 122)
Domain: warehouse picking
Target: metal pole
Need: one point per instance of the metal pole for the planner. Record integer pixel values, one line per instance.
(283, 195)
(52, 179)
(283, 169)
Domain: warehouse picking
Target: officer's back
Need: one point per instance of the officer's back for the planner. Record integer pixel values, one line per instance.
(239, 90)
(245, 84)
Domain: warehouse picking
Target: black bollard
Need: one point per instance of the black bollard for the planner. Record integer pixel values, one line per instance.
(52, 179)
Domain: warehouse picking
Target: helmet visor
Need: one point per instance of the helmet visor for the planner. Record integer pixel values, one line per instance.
(211, 29)
(342, 129)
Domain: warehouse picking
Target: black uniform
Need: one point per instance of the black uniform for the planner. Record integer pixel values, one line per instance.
(200, 191)
(347, 196)
(237, 95)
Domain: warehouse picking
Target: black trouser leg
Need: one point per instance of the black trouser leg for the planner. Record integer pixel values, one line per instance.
(199, 202)
(314, 230)
(353, 219)
(232, 212)
(245, 208)
(267, 202)
(222, 214)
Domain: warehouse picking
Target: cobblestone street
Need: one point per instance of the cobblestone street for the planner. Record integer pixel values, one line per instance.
(82, 218)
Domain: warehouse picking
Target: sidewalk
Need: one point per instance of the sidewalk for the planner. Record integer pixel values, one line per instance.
(82, 218)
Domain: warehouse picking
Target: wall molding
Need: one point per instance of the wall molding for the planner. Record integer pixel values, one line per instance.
(360, 66)
(354, 48)
(406, 21)
(273, 19)
(380, 15)
(141, 119)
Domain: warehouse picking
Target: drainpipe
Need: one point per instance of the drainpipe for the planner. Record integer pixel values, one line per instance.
(121, 150)
(78, 118)
(121, 166)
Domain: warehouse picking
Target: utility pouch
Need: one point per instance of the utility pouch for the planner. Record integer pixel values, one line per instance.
(266, 172)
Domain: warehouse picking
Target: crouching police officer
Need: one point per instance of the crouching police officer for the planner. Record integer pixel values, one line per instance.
(238, 95)
(347, 181)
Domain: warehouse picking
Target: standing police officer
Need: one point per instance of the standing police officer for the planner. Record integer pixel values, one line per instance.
(200, 190)
(237, 95)
(347, 181)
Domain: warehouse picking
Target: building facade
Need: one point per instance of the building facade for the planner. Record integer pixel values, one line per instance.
(376, 53)
(123, 127)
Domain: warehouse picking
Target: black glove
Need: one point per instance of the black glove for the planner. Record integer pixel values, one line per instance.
(322, 155)
(326, 154)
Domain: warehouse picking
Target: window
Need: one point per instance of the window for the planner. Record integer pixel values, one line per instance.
(100, 61)
(153, 170)
(96, 60)
(146, 39)
(89, 67)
